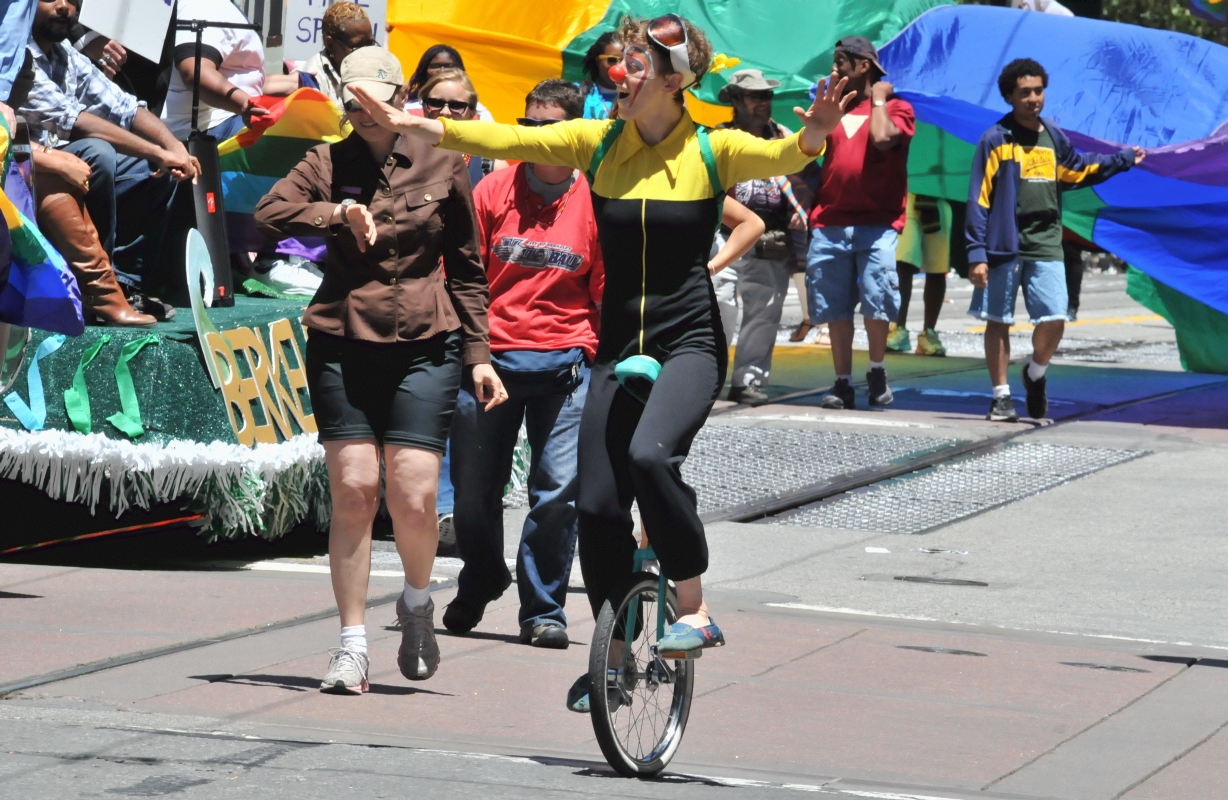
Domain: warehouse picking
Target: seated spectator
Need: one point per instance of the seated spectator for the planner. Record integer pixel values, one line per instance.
(437, 59)
(599, 91)
(231, 73)
(100, 144)
(346, 28)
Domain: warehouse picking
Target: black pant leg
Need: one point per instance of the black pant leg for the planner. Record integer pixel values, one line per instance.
(1073, 256)
(677, 408)
(606, 530)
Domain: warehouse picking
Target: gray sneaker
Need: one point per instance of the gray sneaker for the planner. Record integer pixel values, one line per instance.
(347, 672)
(418, 657)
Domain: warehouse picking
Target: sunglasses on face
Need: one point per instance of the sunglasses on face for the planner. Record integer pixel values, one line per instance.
(456, 106)
(352, 107)
(608, 60)
(758, 97)
(530, 122)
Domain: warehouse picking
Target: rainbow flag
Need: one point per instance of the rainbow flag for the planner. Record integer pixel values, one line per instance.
(39, 290)
(256, 158)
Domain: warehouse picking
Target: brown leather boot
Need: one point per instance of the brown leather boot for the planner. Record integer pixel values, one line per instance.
(62, 218)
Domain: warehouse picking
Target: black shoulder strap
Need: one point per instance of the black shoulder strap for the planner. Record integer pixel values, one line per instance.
(599, 154)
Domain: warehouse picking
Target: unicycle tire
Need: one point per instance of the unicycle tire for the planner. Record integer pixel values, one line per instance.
(638, 739)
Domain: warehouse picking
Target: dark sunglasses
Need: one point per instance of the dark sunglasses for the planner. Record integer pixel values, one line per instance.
(759, 96)
(608, 60)
(437, 104)
(530, 122)
(352, 107)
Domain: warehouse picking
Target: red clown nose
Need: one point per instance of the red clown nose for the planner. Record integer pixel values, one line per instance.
(617, 73)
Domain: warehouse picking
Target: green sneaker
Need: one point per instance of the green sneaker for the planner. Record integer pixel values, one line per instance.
(928, 343)
(898, 340)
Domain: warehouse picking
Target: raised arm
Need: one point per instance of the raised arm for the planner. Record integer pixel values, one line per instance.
(568, 144)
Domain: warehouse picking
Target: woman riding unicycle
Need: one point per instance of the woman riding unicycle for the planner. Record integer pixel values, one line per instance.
(657, 182)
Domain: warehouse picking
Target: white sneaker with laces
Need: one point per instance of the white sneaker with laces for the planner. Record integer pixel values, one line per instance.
(292, 275)
(347, 672)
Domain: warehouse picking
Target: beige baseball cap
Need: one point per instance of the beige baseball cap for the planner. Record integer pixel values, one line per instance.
(374, 69)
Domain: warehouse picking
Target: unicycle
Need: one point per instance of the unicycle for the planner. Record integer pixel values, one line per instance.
(639, 702)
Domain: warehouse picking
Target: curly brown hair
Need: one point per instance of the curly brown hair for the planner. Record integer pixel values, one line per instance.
(336, 15)
(699, 49)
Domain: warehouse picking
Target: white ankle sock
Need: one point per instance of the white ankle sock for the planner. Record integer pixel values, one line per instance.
(355, 637)
(1002, 391)
(415, 598)
(1036, 371)
(847, 378)
(876, 365)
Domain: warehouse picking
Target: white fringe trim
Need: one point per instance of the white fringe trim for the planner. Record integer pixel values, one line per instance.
(263, 490)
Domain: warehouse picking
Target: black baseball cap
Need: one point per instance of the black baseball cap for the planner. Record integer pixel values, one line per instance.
(860, 47)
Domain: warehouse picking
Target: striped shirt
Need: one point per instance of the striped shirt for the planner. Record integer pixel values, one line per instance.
(65, 84)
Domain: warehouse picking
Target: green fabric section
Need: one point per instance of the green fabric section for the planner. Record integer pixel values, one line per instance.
(939, 164)
(77, 398)
(172, 387)
(1079, 210)
(254, 288)
(753, 30)
(271, 156)
(129, 419)
(1202, 331)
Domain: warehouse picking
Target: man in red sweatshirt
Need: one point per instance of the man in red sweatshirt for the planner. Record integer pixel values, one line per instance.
(538, 237)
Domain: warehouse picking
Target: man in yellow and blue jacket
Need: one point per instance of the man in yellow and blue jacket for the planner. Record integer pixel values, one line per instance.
(1014, 229)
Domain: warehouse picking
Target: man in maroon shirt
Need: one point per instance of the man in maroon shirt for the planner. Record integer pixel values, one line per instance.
(858, 212)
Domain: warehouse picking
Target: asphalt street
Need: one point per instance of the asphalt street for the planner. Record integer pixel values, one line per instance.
(1066, 644)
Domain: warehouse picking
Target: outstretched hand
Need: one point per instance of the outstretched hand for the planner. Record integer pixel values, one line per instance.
(830, 103)
(395, 119)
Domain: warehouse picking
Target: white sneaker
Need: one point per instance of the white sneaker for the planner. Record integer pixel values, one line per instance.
(291, 275)
(347, 672)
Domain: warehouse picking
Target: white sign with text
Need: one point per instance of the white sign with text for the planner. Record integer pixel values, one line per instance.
(304, 18)
(139, 25)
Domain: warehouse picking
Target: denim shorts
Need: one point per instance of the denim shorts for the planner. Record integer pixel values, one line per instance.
(1044, 292)
(848, 264)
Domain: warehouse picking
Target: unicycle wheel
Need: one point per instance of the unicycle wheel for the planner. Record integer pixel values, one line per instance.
(640, 702)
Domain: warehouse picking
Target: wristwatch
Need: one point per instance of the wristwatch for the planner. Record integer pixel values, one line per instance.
(345, 207)
(880, 103)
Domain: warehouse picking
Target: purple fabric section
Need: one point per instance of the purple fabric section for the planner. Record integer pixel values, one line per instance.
(311, 248)
(1203, 161)
(244, 238)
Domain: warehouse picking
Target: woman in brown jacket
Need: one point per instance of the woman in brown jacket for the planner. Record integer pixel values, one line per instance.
(401, 308)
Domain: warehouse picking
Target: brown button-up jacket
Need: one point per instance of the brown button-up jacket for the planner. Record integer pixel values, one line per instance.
(397, 290)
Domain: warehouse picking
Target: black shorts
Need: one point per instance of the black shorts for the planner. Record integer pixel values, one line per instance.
(400, 394)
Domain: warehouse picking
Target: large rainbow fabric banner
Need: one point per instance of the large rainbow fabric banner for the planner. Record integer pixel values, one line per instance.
(1213, 11)
(256, 158)
(509, 47)
(1168, 216)
(37, 289)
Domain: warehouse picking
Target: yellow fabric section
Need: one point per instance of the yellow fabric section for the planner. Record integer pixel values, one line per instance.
(708, 114)
(508, 47)
(1066, 175)
(672, 170)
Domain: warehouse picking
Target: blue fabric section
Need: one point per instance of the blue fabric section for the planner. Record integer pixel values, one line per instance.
(16, 17)
(537, 360)
(1113, 83)
(243, 191)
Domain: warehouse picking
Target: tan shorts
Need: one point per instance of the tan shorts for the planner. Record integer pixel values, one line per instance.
(931, 252)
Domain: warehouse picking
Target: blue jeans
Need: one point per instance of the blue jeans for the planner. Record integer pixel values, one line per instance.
(482, 448)
(129, 206)
(445, 500)
(1044, 292)
(850, 264)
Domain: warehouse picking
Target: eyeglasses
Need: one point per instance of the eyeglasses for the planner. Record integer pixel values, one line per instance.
(530, 122)
(437, 104)
(608, 60)
(669, 33)
(352, 107)
(758, 96)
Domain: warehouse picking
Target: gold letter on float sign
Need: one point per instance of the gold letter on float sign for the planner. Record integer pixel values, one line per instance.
(281, 340)
(254, 388)
(238, 406)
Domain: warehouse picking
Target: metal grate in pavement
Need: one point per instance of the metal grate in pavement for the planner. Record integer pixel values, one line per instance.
(949, 492)
(731, 465)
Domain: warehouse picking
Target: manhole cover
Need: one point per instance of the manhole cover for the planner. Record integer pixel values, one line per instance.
(1105, 667)
(939, 581)
(946, 651)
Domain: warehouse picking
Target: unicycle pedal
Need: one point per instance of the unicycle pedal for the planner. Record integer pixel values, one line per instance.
(681, 655)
